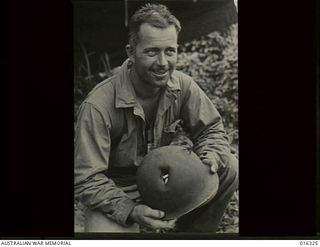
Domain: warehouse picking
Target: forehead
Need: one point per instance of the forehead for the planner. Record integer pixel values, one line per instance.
(153, 36)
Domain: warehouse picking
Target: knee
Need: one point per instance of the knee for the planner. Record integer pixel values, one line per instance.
(233, 165)
(96, 221)
(230, 174)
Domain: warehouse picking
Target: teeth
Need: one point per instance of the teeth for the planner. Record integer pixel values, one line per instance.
(160, 73)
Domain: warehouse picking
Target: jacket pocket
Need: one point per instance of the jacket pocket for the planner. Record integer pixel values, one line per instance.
(174, 134)
(169, 132)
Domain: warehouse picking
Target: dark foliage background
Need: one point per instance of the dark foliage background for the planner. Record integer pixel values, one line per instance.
(212, 61)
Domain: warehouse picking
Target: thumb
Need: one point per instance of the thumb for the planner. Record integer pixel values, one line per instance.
(157, 214)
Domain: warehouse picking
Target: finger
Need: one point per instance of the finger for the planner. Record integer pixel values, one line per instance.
(153, 213)
(210, 164)
(207, 161)
(158, 224)
(213, 169)
(171, 223)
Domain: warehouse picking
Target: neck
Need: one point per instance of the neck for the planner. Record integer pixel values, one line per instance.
(143, 90)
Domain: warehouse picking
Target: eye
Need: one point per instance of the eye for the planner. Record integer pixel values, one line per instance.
(151, 53)
(170, 52)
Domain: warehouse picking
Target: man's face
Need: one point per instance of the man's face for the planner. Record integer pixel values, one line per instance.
(155, 55)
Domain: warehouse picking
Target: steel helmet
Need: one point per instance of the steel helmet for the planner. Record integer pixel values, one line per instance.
(173, 179)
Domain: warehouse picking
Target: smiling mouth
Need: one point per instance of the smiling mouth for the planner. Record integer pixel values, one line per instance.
(160, 74)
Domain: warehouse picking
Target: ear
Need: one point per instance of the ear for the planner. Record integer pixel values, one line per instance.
(130, 52)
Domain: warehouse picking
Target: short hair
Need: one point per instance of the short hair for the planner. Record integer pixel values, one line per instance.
(156, 15)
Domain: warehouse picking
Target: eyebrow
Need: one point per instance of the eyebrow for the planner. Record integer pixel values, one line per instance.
(157, 48)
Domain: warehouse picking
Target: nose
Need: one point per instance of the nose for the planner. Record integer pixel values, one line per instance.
(162, 60)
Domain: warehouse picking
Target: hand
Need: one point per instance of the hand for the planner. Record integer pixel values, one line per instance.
(150, 218)
(209, 162)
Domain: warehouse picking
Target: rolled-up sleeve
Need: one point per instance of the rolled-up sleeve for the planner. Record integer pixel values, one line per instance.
(92, 149)
(204, 123)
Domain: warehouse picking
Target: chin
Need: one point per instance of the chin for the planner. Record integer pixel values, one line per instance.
(159, 82)
(162, 83)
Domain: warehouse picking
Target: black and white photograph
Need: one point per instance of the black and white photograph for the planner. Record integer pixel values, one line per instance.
(156, 116)
(152, 120)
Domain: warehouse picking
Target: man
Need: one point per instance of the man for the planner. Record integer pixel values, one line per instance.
(138, 109)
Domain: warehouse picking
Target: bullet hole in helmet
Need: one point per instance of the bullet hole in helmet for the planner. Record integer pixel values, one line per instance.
(165, 175)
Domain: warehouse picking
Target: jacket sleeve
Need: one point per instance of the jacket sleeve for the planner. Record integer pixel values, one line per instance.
(92, 148)
(203, 122)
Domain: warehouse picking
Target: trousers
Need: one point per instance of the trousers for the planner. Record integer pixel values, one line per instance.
(203, 219)
(96, 221)
(208, 217)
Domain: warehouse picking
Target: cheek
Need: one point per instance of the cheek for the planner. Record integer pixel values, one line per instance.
(172, 61)
(145, 62)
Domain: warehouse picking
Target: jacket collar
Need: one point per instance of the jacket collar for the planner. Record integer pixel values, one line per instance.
(124, 92)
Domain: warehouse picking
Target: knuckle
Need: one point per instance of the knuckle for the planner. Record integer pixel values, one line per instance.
(148, 212)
